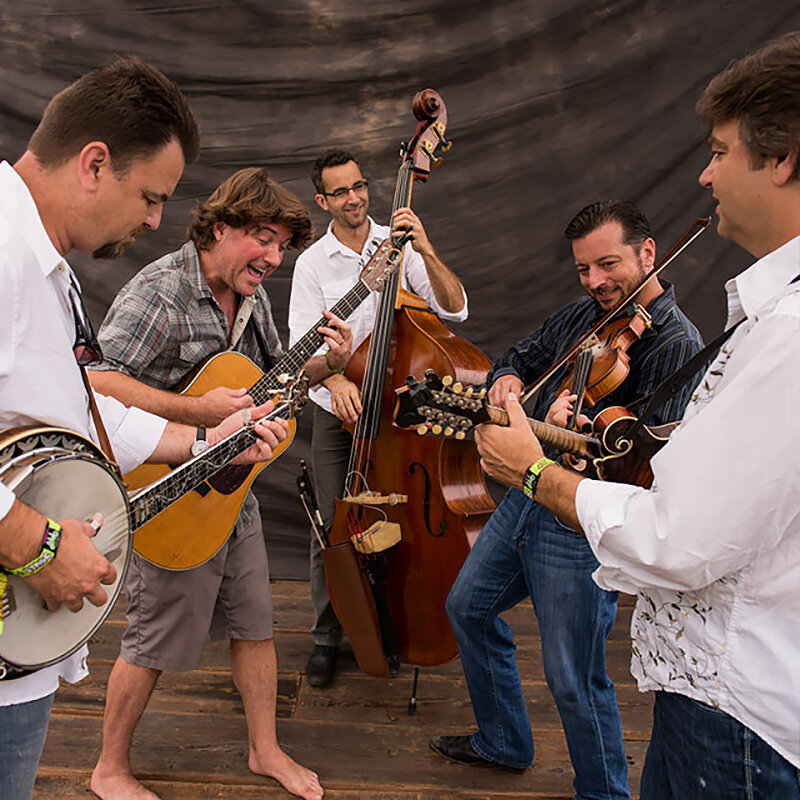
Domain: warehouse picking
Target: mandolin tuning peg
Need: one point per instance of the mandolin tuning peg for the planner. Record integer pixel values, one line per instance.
(422, 429)
(482, 393)
(437, 428)
(460, 435)
(447, 380)
(448, 431)
(458, 387)
(468, 392)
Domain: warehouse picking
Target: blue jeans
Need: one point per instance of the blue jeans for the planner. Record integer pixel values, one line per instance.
(523, 550)
(701, 753)
(23, 728)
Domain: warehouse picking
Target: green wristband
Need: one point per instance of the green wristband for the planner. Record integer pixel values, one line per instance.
(50, 543)
(328, 364)
(530, 479)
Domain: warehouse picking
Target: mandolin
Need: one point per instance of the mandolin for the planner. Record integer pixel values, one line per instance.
(442, 407)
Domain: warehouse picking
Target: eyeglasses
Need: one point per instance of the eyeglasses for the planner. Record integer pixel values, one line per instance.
(343, 191)
(86, 348)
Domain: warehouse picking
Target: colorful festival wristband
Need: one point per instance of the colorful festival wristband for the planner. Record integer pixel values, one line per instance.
(50, 543)
(531, 477)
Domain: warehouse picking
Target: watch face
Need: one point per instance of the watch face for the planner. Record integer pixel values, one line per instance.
(199, 446)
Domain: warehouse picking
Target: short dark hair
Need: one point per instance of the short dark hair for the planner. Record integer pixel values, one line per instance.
(635, 227)
(131, 106)
(762, 92)
(250, 199)
(333, 158)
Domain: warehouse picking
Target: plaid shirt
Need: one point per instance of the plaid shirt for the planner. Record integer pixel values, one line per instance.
(165, 321)
(670, 342)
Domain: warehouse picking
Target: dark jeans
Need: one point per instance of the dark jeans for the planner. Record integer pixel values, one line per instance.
(23, 728)
(524, 551)
(330, 453)
(698, 752)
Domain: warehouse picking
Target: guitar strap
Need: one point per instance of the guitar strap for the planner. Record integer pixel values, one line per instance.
(662, 392)
(262, 346)
(105, 443)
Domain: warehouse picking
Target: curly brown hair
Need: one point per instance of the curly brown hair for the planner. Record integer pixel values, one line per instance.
(762, 92)
(250, 199)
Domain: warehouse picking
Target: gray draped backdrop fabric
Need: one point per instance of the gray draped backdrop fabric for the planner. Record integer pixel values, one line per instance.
(552, 104)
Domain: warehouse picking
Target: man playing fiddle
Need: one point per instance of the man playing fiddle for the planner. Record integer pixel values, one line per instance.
(713, 548)
(525, 551)
(323, 274)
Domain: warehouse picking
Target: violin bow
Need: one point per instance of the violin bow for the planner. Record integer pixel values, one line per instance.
(696, 228)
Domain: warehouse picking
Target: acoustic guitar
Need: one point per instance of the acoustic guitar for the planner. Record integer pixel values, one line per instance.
(210, 513)
(64, 475)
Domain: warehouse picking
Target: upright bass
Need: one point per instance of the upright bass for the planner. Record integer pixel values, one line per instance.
(411, 506)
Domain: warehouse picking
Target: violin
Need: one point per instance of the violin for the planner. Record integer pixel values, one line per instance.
(602, 362)
(691, 234)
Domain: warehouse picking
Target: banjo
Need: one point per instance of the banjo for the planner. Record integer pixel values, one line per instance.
(64, 475)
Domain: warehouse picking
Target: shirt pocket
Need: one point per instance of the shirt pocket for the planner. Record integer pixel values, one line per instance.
(334, 291)
(193, 353)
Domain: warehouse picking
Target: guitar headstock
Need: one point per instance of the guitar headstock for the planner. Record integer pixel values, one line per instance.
(440, 406)
(292, 395)
(383, 263)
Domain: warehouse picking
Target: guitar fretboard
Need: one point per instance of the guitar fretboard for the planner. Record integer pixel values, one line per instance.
(154, 499)
(263, 389)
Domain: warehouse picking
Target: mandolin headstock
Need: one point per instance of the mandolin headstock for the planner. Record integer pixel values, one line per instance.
(441, 406)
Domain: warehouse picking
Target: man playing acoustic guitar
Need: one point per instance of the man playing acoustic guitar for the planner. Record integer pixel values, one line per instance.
(524, 551)
(205, 298)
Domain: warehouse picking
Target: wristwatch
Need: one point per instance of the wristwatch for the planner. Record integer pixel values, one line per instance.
(200, 443)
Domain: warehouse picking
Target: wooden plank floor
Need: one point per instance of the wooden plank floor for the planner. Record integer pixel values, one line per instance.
(192, 741)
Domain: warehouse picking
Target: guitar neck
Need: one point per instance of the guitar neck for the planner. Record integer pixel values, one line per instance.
(562, 439)
(154, 499)
(305, 347)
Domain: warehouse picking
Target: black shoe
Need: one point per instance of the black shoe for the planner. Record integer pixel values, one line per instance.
(321, 665)
(459, 749)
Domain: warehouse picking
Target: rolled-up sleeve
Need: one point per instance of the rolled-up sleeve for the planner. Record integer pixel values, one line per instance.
(134, 433)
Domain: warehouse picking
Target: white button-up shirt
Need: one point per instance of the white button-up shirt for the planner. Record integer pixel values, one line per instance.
(328, 270)
(39, 379)
(713, 550)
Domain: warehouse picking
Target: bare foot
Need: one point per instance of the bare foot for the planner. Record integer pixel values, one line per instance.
(294, 778)
(119, 786)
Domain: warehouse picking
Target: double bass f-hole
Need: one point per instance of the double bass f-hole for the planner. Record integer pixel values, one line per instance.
(426, 502)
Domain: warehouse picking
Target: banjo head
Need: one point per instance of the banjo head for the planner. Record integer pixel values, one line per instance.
(62, 483)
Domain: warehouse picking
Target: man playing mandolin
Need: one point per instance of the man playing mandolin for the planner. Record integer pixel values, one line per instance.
(322, 275)
(205, 298)
(713, 548)
(524, 551)
(107, 154)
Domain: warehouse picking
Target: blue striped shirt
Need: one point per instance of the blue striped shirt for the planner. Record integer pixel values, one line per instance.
(670, 342)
